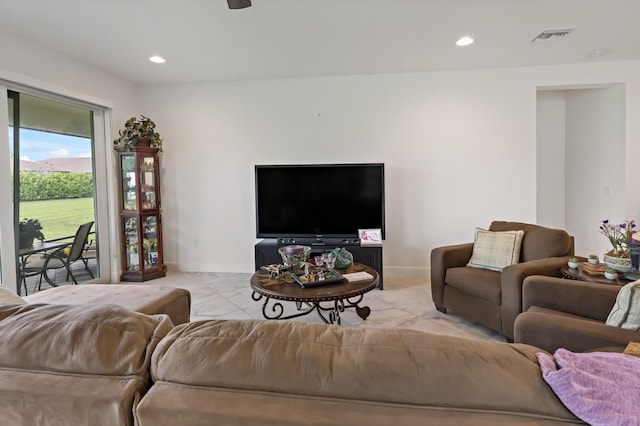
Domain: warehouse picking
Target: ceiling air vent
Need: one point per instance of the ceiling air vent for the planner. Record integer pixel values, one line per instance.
(552, 35)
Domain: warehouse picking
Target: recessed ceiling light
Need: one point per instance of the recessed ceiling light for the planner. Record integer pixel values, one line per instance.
(598, 52)
(464, 41)
(157, 59)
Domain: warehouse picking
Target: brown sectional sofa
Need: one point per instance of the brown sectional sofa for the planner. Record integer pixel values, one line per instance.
(74, 365)
(561, 313)
(105, 365)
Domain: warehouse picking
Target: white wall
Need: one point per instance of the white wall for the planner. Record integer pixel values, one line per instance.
(459, 149)
(550, 164)
(27, 63)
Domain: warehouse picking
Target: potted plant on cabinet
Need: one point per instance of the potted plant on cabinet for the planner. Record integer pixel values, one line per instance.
(136, 132)
(573, 263)
(593, 259)
(29, 230)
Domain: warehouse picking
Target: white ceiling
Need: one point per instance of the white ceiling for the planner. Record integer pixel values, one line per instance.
(202, 40)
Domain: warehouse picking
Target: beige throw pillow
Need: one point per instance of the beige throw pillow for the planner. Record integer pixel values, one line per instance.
(9, 297)
(495, 250)
(626, 311)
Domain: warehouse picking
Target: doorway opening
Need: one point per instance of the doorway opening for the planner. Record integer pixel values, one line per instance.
(581, 161)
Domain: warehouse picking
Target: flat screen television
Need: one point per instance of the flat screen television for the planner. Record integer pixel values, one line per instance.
(318, 200)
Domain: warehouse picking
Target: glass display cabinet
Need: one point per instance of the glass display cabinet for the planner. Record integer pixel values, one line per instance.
(140, 215)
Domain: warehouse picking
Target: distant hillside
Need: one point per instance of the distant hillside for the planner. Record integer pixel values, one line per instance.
(62, 165)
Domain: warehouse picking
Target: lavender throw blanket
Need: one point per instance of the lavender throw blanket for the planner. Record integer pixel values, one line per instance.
(601, 388)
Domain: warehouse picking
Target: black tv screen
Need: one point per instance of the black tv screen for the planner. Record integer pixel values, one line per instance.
(318, 200)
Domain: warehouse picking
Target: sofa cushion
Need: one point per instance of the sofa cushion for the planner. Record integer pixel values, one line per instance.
(91, 339)
(392, 366)
(538, 242)
(495, 250)
(58, 399)
(482, 283)
(7, 296)
(74, 365)
(146, 299)
(626, 310)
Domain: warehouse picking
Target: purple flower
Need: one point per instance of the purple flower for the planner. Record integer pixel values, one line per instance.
(618, 235)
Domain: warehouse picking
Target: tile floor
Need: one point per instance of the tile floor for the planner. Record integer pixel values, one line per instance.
(405, 302)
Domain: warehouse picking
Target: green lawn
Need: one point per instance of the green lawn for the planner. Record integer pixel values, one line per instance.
(59, 218)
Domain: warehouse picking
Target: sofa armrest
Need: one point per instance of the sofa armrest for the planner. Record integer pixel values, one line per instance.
(585, 299)
(443, 258)
(550, 332)
(512, 281)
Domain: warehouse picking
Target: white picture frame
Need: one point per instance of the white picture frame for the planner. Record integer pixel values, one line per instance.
(370, 237)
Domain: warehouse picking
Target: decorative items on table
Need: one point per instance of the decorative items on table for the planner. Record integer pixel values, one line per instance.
(344, 258)
(621, 264)
(293, 256)
(619, 257)
(610, 274)
(594, 269)
(317, 275)
(593, 259)
(573, 263)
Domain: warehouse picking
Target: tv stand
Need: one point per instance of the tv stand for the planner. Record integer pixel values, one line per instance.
(266, 251)
(318, 241)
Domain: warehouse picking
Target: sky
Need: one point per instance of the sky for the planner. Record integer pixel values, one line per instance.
(36, 145)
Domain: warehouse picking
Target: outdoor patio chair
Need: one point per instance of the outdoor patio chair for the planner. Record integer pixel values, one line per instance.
(90, 252)
(61, 258)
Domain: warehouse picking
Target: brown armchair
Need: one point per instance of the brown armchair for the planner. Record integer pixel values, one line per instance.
(494, 298)
(569, 314)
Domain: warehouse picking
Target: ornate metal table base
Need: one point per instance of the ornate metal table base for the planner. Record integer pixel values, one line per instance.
(276, 311)
(329, 300)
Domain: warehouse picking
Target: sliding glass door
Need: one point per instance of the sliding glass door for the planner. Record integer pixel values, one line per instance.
(51, 149)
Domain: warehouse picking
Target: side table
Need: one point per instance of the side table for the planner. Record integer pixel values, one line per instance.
(580, 275)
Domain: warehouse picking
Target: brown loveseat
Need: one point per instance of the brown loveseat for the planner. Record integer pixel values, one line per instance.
(569, 314)
(494, 298)
(104, 365)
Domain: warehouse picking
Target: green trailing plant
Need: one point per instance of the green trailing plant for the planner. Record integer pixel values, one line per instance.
(137, 130)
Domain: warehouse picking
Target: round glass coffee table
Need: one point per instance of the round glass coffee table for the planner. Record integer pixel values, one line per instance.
(330, 298)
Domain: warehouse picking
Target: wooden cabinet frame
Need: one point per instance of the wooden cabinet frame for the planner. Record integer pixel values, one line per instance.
(140, 214)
